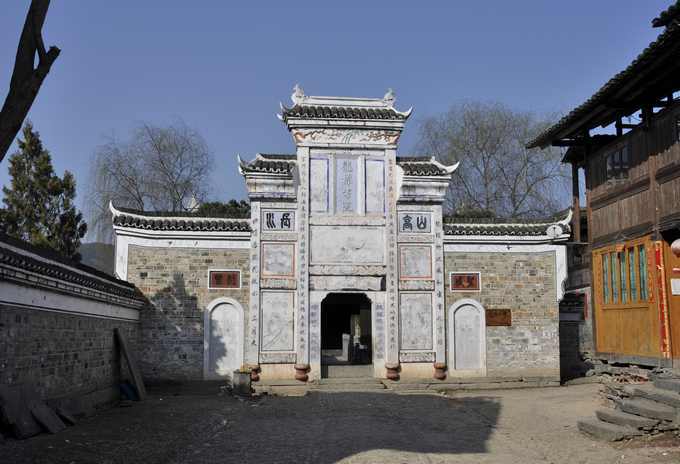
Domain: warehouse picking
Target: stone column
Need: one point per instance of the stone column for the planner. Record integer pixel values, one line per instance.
(252, 348)
(438, 307)
(392, 306)
(302, 330)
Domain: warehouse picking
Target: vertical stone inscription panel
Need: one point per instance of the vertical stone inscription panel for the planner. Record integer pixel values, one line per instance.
(346, 170)
(375, 186)
(319, 186)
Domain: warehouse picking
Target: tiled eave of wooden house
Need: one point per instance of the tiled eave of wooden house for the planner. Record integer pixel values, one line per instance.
(651, 77)
(504, 231)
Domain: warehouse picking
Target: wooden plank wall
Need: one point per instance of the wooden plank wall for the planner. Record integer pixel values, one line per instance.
(633, 211)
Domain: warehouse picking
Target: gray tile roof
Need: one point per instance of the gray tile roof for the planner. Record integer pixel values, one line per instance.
(420, 166)
(341, 112)
(176, 221)
(504, 227)
(667, 16)
(62, 268)
(272, 163)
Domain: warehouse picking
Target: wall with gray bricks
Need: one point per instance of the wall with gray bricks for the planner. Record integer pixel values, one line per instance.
(61, 354)
(525, 284)
(175, 280)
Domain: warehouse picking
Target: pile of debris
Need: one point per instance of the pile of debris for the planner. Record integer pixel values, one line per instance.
(642, 408)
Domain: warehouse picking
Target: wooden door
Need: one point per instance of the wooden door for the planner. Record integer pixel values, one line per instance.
(672, 267)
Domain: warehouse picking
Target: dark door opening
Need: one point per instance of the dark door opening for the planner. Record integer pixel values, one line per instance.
(346, 337)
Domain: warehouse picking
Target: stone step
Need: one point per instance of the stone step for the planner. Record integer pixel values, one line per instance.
(346, 387)
(624, 419)
(668, 384)
(648, 408)
(599, 430)
(340, 371)
(650, 392)
(349, 380)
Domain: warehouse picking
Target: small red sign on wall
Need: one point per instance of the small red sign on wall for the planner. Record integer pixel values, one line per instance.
(225, 279)
(465, 282)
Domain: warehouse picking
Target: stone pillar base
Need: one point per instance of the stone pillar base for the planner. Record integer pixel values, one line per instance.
(392, 371)
(301, 371)
(439, 371)
(255, 373)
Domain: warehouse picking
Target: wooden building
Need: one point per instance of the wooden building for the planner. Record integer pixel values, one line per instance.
(632, 179)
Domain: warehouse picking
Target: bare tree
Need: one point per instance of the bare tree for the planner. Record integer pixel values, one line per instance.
(497, 173)
(157, 168)
(26, 77)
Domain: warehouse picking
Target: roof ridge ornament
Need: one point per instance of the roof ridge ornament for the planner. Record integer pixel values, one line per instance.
(298, 95)
(390, 97)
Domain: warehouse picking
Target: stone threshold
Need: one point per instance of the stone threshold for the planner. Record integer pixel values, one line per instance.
(284, 387)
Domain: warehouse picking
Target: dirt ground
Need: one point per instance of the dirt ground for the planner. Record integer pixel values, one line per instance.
(177, 425)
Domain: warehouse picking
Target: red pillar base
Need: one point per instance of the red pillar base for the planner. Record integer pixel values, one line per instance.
(392, 371)
(301, 371)
(439, 371)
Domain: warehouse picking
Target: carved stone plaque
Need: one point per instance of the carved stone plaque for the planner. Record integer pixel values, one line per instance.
(274, 220)
(498, 318)
(345, 185)
(415, 223)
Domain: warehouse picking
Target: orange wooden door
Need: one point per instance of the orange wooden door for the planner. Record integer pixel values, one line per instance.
(672, 263)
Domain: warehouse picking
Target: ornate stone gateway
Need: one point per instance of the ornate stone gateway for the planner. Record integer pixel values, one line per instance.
(345, 259)
(366, 222)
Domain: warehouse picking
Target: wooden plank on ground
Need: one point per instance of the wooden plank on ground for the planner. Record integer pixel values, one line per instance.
(132, 365)
(66, 415)
(15, 401)
(47, 417)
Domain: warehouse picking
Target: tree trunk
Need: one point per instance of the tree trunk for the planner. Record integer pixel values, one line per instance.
(26, 80)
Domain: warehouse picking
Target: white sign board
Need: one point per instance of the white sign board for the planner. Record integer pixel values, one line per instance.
(675, 286)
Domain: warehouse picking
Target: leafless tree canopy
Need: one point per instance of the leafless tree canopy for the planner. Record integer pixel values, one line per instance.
(496, 173)
(157, 168)
(26, 76)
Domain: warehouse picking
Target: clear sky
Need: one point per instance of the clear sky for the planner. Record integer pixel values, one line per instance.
(224, 68)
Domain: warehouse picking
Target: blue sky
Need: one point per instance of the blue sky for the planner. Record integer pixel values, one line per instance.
(223, 68)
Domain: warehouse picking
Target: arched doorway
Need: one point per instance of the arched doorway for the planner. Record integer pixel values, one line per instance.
(222, 338)
(346, 335)
(467, 338)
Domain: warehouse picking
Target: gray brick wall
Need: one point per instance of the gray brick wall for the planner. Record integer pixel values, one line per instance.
(525, 284)
(176, 282)
(60, 354)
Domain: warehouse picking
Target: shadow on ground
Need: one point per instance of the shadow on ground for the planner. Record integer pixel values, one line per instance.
(203, 427)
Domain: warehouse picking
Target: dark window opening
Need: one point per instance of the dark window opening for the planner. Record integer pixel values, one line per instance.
(618, 163)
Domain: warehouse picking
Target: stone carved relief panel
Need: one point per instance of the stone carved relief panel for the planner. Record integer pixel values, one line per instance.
(278, 260)
(346, 136)
(415, 321)
(347, 245)
(277, 321)
(415, 262)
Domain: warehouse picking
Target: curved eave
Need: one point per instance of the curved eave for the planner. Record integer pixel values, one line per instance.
(656, 67)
